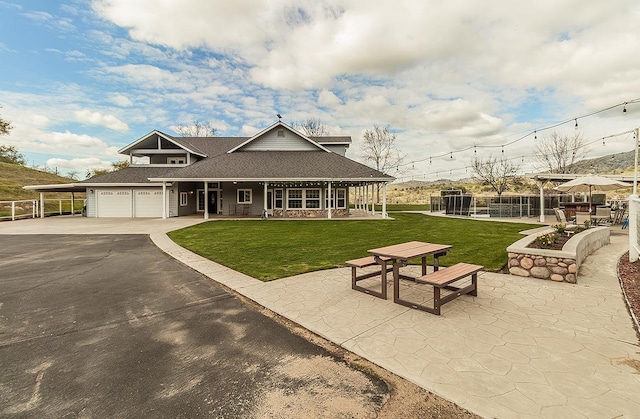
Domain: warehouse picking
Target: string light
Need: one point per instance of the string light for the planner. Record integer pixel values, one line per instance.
(576, 127)
(535, 135)
(624, 108)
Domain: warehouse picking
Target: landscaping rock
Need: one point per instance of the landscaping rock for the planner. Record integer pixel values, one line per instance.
(572, 268)
(540, 261)
(557, 278)
(526, 263)
(570, 278)
(539, 272)
(518, 271)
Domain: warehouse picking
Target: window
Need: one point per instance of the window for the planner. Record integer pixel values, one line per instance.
(176, 160)
(279, 204)
(294, 198)
(184, 199)
(312, 198)
(244, 196)
(303, 198)
(340, 202)
(280, 133)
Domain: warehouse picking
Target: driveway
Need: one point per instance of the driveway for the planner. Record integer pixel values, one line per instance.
(109, 326)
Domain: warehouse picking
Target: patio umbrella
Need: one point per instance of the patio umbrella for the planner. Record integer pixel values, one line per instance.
(590, 183)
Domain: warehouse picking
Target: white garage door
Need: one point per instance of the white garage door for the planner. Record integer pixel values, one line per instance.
(114, 203)
(147, 202)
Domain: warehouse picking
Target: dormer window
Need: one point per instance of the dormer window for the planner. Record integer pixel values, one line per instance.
(280, 133)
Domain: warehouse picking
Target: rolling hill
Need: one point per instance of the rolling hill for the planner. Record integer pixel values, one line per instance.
(13, 177)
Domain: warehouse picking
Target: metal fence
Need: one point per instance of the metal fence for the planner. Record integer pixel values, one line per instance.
(518, 206)
(32, 208)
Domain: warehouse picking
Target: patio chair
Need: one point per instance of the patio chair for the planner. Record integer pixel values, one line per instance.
(561, 217)
(603, 215)
(581, 217)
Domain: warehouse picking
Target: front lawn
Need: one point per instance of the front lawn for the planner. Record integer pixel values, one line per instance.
(274, 249)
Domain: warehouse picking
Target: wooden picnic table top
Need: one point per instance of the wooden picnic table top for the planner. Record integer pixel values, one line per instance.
(409, 250)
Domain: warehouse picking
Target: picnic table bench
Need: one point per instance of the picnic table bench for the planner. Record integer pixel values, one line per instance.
(443, 279)
(363, 263)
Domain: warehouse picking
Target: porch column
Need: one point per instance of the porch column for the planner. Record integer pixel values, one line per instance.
(41, 204)
(329, 208)
(164, 200)
(73, 204)
(541, 184)
(266, 186)
(366, 198)
(374, 190)
(206, 200)
(384, 200)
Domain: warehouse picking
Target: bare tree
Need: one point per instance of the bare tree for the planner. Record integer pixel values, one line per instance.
(312, 128)
(497, 173)
(558, 153)
(379, 148)
(5, 126)
(196, 129)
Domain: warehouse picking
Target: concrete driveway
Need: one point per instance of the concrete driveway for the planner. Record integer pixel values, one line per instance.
(109, 326)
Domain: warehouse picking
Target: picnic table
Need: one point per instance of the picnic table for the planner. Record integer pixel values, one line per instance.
(400, 255)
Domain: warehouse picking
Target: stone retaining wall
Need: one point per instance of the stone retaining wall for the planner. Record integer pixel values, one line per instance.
(556, 265)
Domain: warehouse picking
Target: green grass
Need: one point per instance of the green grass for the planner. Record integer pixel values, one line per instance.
(279, 248)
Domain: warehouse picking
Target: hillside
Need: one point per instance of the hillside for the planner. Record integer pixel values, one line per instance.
(612, 164)
(13, 177)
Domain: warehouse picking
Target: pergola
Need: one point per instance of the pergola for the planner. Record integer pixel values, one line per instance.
(543, 178)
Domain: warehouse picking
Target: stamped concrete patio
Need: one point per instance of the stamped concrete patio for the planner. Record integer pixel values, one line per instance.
(522, 348)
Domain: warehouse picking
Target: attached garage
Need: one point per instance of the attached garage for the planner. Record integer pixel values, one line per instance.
(114, 203)
(147, 202)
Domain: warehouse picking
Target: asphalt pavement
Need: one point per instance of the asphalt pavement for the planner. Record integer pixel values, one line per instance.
(109, 326)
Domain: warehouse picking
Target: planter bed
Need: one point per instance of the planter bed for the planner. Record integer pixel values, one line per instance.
(556, 265)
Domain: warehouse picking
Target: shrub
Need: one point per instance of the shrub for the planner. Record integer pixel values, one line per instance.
(546, 240)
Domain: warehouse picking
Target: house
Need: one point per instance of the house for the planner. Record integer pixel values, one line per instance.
(279, 172)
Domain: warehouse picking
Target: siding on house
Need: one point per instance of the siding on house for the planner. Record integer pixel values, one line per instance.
(288, 142)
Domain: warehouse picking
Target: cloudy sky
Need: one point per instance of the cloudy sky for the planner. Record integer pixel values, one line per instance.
(81, 79)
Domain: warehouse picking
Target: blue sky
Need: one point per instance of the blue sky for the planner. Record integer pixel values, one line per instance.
(81, 79)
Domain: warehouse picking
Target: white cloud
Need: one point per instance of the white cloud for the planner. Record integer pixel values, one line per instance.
(120, 100)
(96, 118)
(79, 164)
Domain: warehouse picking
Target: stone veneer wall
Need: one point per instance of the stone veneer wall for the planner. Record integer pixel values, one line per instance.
(543, 267)
(556, 265)
(310, 213)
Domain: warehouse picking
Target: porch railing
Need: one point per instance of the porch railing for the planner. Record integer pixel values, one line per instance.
(32, 208)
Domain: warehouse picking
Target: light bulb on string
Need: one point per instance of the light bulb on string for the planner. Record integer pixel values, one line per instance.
(535, 135)
(624, 108)
(603, 141)
(576, 126)
(503, 150)
(413, 166)
(452, 155)
(429, 160)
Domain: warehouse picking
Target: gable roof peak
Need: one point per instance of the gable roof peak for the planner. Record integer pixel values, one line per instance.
(281, 124)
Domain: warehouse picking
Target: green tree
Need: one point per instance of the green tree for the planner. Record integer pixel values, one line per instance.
(116, 165)
(9, 154)
(5, 126)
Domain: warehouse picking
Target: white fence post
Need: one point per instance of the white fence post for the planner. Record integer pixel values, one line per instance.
(13, 210)
(634, 233)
